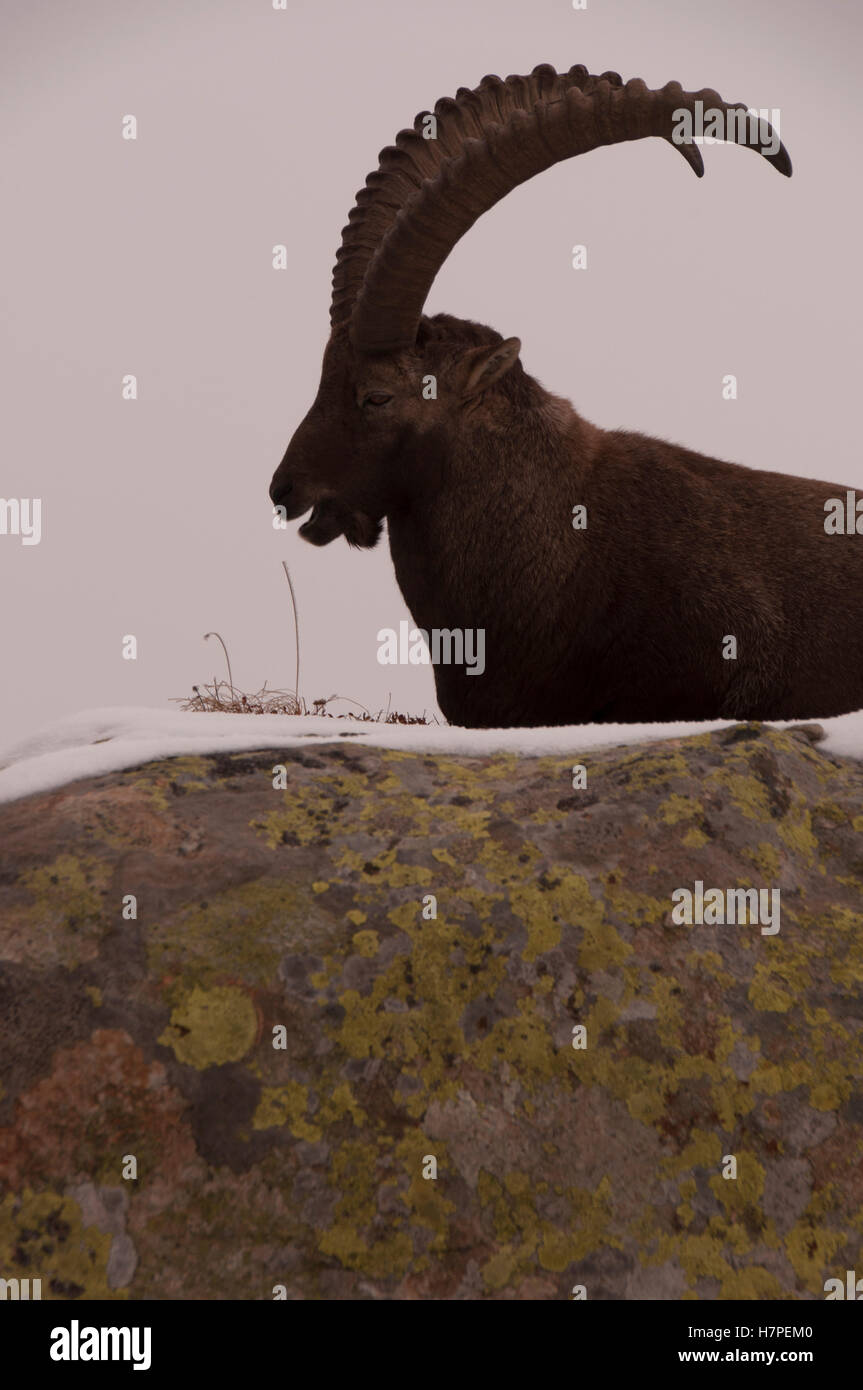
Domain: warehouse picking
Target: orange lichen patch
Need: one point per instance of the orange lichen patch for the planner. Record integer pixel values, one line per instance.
(118, 816)
(102, 1100)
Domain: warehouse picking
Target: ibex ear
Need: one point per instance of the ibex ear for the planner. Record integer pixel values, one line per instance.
(486, 365)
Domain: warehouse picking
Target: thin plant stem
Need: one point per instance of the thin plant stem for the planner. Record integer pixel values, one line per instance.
(296, 631)
(228, 662)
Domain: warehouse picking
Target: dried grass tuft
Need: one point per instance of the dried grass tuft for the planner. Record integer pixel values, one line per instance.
(223, 698)
(210, 699)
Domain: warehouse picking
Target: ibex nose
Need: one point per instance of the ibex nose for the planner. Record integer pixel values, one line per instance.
(280, 490)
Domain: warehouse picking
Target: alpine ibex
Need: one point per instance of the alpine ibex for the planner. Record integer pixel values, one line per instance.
(630, 617)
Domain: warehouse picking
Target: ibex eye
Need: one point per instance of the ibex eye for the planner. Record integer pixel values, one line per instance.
(377, 398)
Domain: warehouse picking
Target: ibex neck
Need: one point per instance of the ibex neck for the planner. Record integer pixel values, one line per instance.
(483, 512)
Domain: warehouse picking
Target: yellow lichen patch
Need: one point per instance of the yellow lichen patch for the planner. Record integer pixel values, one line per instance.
(525, 1043)
(42, 1236)
(754, 1282)
(344, 783)
(765, 994)
(498, 1271)
(639, 1084)
(66, 917)
(685, 1214)
(602, 946)
(466, 822)
(288, 1104)
(243, 932)
(701, 1255)
(828, 1080)
(156, 779)
(425, 1198)
(516, 1224)
(744, 1190)
(826, 1095)
(636, 908)
(546, 815)
(210, 1027)
(695, 838)
(501, 866)
(490, 1193)
(665, 994)
(704, 1150)
(647, 769)
(552, 769)
(308, 811)
(536, 910)
(527, 1240)
(601, 1016)
(811, 1247)
(845, 929)
(366, 943)
(300, 817)
(731, 1098)
(376, 813)
(677, 808)
(407, 915)
(471, 777)
(747, 792)
(567, 897)
(795, 831)
(585, 1232)
(343, 1242)
(645, 1099)
(342, 1101)
(368, 1030)
(766, 858)
(791, 955)
(387, 870)
(443, 856)
(390, 783)
(482, 902)
(766, 1077)
(354, 1175)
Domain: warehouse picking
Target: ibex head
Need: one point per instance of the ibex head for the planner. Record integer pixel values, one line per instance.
(347, 460)
(393, 379)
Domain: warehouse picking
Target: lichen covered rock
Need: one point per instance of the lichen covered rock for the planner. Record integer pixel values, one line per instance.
(423, 934)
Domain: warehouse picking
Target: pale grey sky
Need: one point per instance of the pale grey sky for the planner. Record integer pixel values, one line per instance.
(256, 127)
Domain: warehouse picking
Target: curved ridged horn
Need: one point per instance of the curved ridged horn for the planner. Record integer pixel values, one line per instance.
(406, 165)
(489, 141)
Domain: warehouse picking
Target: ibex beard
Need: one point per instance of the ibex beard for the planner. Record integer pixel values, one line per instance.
(695, 589)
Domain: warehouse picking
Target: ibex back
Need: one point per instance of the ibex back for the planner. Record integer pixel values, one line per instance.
(686, 588)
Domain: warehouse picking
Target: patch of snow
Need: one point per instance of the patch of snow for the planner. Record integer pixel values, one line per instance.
(96, 742)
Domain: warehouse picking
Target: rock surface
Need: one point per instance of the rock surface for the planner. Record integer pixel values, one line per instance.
(138, 1038)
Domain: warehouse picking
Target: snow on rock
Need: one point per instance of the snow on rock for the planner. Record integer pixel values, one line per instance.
(95, 742)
